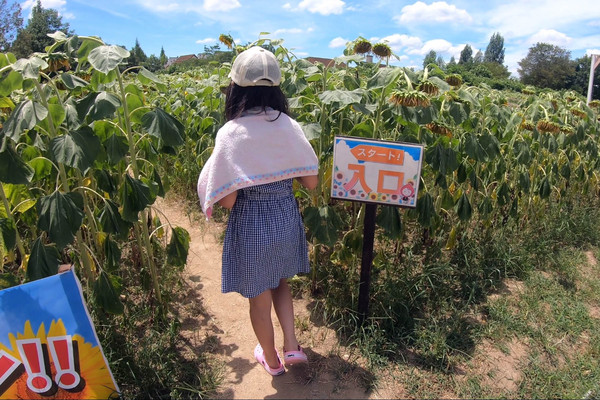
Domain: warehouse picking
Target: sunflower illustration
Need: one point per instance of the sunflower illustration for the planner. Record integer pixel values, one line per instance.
(97, 381)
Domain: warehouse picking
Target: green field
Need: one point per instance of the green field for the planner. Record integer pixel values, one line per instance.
(509, 193)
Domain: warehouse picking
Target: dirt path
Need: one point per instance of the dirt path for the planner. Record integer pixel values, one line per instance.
(333, 372)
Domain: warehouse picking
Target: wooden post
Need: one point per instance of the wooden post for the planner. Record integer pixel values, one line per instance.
(366, 262)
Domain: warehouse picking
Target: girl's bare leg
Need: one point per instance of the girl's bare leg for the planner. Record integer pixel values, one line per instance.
(260, 316)
(284, 308)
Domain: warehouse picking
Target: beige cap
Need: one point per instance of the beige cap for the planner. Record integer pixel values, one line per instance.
(256, 67)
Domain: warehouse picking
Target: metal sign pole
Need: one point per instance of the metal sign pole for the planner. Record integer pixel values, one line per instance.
(366, 262)
(595, 62)
(374, 172)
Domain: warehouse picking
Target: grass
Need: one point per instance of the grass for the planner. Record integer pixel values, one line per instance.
(147, 350)
(512, 312)
(520, 300)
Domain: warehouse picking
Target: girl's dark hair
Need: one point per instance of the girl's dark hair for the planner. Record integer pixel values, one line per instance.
(240, 99)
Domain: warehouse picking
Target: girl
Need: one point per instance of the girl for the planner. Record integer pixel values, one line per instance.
(257, 154)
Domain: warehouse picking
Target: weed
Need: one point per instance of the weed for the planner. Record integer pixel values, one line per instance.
(431, 311)
(147, 352)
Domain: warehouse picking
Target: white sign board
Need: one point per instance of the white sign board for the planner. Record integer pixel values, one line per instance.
(376, 171)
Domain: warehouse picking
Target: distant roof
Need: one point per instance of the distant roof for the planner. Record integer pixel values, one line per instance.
(180, 59)
(185, 58)
(328, 62)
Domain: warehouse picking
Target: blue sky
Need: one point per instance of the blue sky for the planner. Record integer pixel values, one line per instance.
(322, 27)
(43, 301)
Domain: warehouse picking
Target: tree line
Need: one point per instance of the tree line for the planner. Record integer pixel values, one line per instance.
(24, 40)
(545, 66)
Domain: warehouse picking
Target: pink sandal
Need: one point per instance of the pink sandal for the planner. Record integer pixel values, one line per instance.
(260, 357)
(295, 357)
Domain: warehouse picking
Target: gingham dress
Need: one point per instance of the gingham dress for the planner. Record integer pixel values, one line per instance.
(264, 240)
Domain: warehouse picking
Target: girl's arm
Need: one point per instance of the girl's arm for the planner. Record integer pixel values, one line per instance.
(229, 200)
(309, 182)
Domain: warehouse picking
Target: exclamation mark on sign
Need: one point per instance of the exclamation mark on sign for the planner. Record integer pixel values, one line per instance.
(65, 355)
(37, 366)
(10, 370)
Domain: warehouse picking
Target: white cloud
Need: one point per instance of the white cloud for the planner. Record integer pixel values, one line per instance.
(186, 6)
(55, 4)
(437, 45)
(160, 6)
(207, 41)
(442, 47)
(107, 10)
(400, 41)
(291, 31)
(550, 36)
(287, 6)
(520, 19)
(589, 52)
(434, 13)
(338, 42)
(511, 60)
(221, 5)
(58, 5)
(323, 7)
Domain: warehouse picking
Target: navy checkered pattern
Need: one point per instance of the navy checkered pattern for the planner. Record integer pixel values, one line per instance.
(264, 241)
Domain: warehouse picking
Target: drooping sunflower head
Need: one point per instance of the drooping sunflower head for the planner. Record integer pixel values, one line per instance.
(571, 98)
(440, 128)
(545, 125)
(57, 61)
(528, 90)
(567, 129)
(428, 87)
(527, 125)
(451, 95)
(577, 112)
(382, 50)
(227, 40)
(362, 46)
(409, 98)
(454, 80)
(595, 104)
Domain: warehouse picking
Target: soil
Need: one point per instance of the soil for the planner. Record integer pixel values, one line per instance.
(222, 327)
(501, 370)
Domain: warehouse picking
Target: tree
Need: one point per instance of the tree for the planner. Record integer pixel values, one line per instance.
(153, 63)
(581, 77)
(34, 37)
(440, 62)
(163, 58)
(10, 23)
(214, 53)
(466, 55)
(430, 58)
(478, 59)
(210, 51)
(498, 71)
(494, 52)
(136, 55)
(547, 66)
